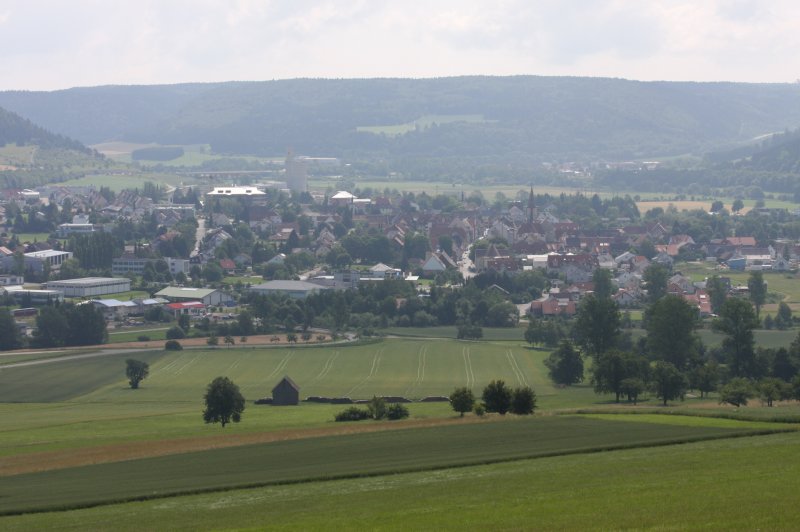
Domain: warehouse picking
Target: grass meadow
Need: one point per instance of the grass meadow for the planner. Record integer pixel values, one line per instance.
(730, 484)
(341, 456)
(75, 436)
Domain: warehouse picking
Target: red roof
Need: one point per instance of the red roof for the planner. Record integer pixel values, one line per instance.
(186, 304)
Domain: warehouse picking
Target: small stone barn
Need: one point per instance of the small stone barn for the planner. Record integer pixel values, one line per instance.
(286, 393)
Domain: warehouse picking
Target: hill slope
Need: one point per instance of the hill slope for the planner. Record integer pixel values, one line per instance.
(521, 118)
(16, 130)
(30, 155)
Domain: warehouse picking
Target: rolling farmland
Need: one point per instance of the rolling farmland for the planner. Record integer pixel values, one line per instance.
(75, 435)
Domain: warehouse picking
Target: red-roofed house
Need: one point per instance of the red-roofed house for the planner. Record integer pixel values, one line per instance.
(189, 308)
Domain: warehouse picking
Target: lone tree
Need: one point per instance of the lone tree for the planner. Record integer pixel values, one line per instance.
(136, 371)
(497, 397)
(462, 400)
(224, 402)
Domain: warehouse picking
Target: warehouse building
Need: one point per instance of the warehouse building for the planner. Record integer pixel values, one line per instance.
(91, 286)
(209, 296)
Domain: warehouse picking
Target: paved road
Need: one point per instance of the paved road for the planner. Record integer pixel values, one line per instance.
(464, 265)
(199, 235)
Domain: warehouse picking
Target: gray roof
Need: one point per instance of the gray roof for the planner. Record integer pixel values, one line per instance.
(288, 286)
(180, 291)
(287, 380)
(91, 281)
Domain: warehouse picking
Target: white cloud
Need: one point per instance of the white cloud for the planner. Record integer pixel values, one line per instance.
(61, 44)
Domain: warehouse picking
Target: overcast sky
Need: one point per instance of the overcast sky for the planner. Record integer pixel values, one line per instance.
(47, 45)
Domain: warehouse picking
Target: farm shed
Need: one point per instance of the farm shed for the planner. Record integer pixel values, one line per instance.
(286, 393)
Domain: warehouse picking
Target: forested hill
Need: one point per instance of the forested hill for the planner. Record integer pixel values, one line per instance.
(17, 130)
(780, 153)
(500, 119)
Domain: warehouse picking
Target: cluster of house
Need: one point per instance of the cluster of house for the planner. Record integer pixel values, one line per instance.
(382, 213)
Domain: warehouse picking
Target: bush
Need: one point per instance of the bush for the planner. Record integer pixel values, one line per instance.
(143, 338)
(173, 345)
(397, 411)
(377, 408)
(175, 333)
(352, 414)
(479, 410)
(523, 401)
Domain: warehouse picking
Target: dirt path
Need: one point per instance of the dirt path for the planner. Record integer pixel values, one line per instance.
(46, 461)
(134, 347)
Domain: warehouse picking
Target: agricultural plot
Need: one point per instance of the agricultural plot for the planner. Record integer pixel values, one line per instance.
(353, 455)
(731, 484)
(409, 368)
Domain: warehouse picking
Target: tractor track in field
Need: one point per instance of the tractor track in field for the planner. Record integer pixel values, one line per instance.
(281, 365)
(66, 458)
(468, 367)
(518, 373)
(376, 366)
(422, 360)
(326, 368)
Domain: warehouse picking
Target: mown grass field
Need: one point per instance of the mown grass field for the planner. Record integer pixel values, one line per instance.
(355, 455)
(730, 484)
(118, 182)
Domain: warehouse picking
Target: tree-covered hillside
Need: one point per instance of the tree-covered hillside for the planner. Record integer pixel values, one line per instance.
(17, 130)
(31, 155)
(521, 119)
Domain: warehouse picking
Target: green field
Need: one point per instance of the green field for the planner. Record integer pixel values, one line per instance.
(132, 335)
(358, 455)
(424, 477)
(731, 484)
(117, 182)
(410, 368)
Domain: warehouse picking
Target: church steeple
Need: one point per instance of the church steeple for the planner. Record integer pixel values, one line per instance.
(531, 206)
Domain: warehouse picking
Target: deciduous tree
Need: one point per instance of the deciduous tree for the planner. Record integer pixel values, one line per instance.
(224, 402)
(668, 382)
(597, 324)
(565, 364)
(737, 321)
(671, 323)
(523, 401)
(497, 397)
(757, 289)
(462, 400)
(9, 332)
(136, 371)
(736, 392)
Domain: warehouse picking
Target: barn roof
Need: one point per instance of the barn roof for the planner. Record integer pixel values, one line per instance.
(287, 380)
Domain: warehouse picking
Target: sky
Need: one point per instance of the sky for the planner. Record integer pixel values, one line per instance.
(56, 44)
